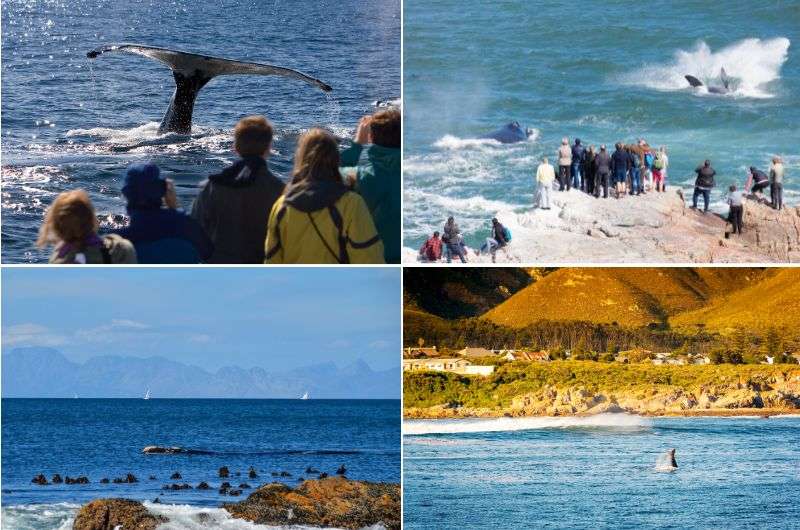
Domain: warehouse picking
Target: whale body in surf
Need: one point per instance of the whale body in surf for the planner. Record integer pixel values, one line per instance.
(724, 78)
(192, 72)
(509, 133)
(671, 455)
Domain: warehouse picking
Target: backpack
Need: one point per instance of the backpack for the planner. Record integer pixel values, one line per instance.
(658, 163)
(507, 234)
(648, 159)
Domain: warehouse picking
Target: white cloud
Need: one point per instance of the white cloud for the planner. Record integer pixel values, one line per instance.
(30, 334)
(112, 332)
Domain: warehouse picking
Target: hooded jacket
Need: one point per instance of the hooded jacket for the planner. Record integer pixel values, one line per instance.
(620, 161)
(160, 235)
(378, 182)
(321, 222)
(578, 152)
(110, 249)
(602, 163)
(233, 207)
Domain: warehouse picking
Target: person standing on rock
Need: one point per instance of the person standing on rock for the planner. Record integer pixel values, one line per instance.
(545, 175)
(578, 154)
(736, 202)
(564, 164)
(703, 184)
(620, 164)
(660, 169)
(602, 172)
(588, 173)
(776, 171)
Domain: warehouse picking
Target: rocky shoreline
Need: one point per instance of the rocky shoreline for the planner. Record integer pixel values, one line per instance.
(656, 227)
(327, 502)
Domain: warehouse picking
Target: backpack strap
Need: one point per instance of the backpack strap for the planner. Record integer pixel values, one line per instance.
(336, 217)
(338, 258)
(271, 252)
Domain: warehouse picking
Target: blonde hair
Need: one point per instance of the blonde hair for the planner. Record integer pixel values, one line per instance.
(316, 157)
(70, 219)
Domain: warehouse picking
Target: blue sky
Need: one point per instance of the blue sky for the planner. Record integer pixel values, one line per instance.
(275, 318)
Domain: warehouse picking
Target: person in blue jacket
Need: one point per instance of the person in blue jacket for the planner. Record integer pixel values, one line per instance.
(158, 229)
(578, 156)
(620, 164)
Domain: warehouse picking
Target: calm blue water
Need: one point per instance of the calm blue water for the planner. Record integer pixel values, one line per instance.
(69, 122)
(602, 71)
(104, 438)
(732, 473)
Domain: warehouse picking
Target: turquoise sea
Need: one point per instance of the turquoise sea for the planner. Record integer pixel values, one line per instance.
(601, 71)
(602, 472)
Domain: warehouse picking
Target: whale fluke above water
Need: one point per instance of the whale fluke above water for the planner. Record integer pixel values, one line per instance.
(723, 77)
(509, 133)
(192, 72)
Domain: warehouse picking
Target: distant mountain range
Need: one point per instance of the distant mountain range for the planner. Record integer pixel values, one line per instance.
(718, 299)
(45, 372)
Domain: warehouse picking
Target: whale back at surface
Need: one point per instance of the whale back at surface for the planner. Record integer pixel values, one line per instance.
(509, 134)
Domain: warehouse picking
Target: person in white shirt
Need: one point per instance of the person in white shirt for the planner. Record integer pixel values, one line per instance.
(545, 175)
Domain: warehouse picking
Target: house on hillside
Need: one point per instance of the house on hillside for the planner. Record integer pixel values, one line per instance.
(420, 352)
(475, 352)
(454, 365)
(539, 356)
(700, 358)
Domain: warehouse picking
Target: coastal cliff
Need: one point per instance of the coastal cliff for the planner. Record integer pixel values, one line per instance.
(656, 227)
(585, 388)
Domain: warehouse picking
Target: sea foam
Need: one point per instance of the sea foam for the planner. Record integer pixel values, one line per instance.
(459, 426)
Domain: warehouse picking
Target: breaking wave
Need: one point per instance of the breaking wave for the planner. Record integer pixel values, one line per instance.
(451, 142)
(752, 64)
(598, 421)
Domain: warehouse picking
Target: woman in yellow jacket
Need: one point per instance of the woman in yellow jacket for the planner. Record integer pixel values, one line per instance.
(318, 220)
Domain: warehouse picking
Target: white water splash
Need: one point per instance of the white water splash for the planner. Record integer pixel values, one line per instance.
(451, 142)
(598, 421)
(58, 516)
(664, 463)
(752, 63)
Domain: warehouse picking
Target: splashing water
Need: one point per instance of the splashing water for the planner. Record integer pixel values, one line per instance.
(664, 462)
(598, 421)
(752, 63)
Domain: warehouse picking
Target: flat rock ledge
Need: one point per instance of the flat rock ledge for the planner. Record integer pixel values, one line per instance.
(108, 514)
(330, 502)
(656, 227)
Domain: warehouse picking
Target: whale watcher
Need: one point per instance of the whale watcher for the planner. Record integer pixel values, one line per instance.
(576, 168)
(735, 201)
(545, 175)
(158, 228)
(602, 168)
(776, 173)
(564, 165)
(703, 184)
(660, 163)
(71, 226)
(372, 167)
(233, 204)
(757, 181)
(454, 242)
(318, 219)
(635, 172)
(620, 165)
(499, 238)
(588, 172)
(431, 250)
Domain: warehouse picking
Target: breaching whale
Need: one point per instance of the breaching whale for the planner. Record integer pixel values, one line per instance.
(509, 133)
(192, 72)
(723, 76)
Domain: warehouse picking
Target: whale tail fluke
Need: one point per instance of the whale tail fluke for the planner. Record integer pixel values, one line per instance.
(723, 76)
(193, 71)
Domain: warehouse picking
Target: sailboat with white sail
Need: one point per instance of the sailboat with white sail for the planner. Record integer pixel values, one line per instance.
(147, 394)
(304, 396)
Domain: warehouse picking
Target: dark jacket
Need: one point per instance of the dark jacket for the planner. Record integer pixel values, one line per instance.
(578, 152)
(602, 163)
(378, 182)
(233, 207)
(705, 177)
(499, 234)
(620, 161)
(759, 176)
(164, 235)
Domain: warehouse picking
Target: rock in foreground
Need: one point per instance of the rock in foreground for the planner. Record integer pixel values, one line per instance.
(107, 514)
(331, 502)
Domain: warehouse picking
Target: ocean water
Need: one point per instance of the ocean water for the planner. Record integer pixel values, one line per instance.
(69, 122)
(601, 71)
(104, 438)
(602, 472)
